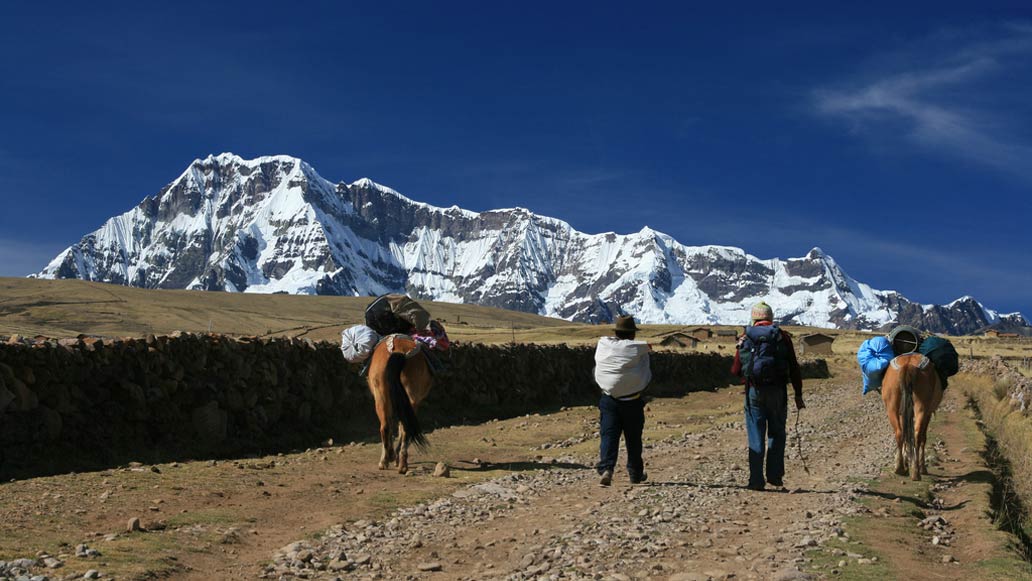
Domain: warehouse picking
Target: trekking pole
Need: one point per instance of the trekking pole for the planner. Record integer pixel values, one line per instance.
(799, 441)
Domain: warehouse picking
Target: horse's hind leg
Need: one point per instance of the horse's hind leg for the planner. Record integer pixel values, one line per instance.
(386, 452)
(402, 450)
(897, 430)
(385, 445)
(922, 420)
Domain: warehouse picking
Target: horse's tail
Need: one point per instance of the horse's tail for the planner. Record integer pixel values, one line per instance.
(400, 402)
(906, 412)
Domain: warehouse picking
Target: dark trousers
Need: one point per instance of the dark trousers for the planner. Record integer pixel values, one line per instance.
(766, 413)
(621, 417)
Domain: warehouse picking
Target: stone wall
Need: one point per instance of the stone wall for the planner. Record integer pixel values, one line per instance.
(75, 404)
(1019, 386)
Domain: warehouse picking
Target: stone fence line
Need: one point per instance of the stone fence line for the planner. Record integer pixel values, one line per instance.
(86, 403)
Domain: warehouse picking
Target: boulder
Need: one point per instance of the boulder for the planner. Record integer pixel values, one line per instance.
(210, 423)
(27, 400)
(6, 397)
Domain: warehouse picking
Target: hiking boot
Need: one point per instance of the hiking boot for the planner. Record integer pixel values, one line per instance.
(606, 478)
(758, 487)
(777, 483)
(639, 479)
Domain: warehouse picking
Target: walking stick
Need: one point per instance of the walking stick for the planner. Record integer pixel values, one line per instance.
(799, 442)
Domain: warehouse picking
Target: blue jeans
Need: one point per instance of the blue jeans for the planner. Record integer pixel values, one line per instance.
(628, 418)
(766, 412)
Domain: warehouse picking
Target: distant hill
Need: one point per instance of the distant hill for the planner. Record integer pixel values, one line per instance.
(66, 308)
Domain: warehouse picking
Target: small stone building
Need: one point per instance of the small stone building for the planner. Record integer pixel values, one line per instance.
(682, 340)
(816, 344)
(727, 335)
(701, 333)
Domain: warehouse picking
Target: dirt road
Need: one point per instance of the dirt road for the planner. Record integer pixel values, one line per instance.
(693, 519)
(523, 503)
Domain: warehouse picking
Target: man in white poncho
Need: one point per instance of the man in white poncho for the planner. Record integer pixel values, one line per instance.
(622, 371)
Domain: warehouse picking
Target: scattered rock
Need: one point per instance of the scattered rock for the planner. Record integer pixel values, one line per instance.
(792, 574)
(53, 563)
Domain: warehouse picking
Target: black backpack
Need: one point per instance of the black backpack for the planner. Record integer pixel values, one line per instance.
(764, 356)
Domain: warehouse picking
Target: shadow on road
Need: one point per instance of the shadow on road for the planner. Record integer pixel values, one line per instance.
(913, 500)
(739, 487)
(522, 466)
(976, 476)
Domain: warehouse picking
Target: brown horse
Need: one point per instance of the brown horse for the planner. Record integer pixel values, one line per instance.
(911, 392)
(399, 378)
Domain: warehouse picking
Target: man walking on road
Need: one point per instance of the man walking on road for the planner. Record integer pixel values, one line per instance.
(622, 371)
(766, 359)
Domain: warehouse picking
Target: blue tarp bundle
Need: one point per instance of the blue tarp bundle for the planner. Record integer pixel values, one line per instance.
(874, 357)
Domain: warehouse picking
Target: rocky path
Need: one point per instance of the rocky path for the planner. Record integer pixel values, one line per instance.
(692, 520)
(523, 502)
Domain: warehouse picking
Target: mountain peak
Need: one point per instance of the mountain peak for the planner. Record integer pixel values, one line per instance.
(266, 225)
(230, 158)
(816, 253)
(963, 299)
(368, 184)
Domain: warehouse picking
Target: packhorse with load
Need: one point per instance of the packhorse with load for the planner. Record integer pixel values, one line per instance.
(398, 345)
(911, 371)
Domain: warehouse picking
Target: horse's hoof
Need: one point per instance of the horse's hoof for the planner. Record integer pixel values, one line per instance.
(403, 470)
(383, 466)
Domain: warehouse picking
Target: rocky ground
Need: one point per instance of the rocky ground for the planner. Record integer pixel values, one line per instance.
(544, 516)
(692, 519)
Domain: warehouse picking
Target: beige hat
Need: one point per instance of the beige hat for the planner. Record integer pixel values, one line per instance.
(761, 311)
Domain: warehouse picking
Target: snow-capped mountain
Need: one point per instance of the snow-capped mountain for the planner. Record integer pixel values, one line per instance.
(273, 224)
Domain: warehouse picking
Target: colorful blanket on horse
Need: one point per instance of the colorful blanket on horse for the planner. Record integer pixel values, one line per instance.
(874, 357)
(434, 337)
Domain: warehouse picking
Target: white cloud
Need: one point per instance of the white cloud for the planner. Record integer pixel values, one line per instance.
(929, 101)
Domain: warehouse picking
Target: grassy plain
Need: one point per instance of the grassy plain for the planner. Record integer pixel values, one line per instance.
(66, 308)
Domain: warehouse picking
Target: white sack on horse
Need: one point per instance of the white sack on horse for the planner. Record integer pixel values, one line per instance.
(622, 366)
(357, 343)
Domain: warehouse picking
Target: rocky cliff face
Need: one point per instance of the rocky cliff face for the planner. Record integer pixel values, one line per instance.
(273, 224)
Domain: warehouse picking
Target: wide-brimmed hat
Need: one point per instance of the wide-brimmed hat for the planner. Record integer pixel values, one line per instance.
(626, 323)
(762, 312)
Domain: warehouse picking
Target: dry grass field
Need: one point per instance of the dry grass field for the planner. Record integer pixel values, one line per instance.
(66, 308)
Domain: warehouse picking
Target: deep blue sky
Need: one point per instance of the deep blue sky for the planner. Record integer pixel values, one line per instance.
(896, 137)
